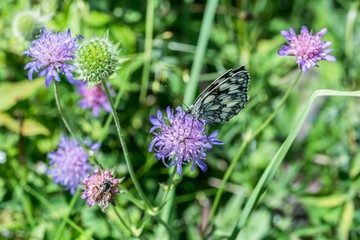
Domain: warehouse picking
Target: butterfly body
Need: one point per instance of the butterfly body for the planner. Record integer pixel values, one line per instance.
(223, 98)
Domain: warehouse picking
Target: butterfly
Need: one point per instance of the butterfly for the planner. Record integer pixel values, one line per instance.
(223, 98)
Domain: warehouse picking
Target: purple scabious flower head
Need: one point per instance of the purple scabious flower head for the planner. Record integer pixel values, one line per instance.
(93, 97)
(100, 189)
(307, 49)
(50, 54)
(69, 163)
(180, 139)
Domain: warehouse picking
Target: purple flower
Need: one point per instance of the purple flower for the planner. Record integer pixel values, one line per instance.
(69, 163)
(307, 49)
(93, 97)
(100, 189)
(51, 53)
(181, 138)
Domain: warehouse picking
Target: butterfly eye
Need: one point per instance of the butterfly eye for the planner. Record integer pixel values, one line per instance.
(224, 98)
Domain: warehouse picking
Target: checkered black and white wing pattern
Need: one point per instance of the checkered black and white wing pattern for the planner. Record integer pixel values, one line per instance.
(224, 98)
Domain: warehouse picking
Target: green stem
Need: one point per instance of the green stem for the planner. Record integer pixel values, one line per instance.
(349, 30)
(25, 202)
(66, 122)
(244, 145)
(148, 49)
(274, 164)
(47, 204)
(169, 182)
(61, 111)
(134, 233)
(206, 27)
(166, 225)
(123, 145)
(63, 223)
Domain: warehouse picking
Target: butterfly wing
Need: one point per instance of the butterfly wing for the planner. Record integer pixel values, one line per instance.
(224, 98)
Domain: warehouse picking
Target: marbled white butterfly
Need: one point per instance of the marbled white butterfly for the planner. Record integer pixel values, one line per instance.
(224, 98)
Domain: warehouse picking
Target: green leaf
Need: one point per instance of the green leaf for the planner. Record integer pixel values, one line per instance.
(12, 93)
(97, 19)
(32, 127)
(29, 127)
(329, 201)
(355, 166)
(346, 219)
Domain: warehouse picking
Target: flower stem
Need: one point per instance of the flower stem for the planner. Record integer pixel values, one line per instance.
(63, 223)
(244, 145)
(66, 122)
(123, 145)
(61, 111)
(169, 183)
(125, 224)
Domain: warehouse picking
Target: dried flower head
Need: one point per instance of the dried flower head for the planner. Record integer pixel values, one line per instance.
(100, 188)
(51, 53)
(93, 97)
(96, 59)
(69, 163)
(307, 49)
(180, 138)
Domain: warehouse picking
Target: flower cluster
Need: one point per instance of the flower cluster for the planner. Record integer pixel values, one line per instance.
(50, 53)
(100, 189)
(178, 138)
(307, 49)
(69, 163)
(93, 97)
(181, 138)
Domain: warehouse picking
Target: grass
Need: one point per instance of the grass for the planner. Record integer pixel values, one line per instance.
(289, 167)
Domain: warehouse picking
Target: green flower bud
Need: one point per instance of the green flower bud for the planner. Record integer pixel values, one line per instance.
(27, 24)
(96, 59)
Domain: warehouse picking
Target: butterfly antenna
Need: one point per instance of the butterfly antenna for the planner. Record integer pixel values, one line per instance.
(167, 87)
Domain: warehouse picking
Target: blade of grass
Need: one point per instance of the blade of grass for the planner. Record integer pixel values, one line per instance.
(148, 49)
(47, 204)
(25, 202)
(245, 143)
(349, 30)
(279, 156)
(63, 223)
(204, 36)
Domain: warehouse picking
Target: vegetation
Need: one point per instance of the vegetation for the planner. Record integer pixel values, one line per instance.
(289, 167)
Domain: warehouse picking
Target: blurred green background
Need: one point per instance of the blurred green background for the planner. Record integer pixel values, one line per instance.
(315, 195)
